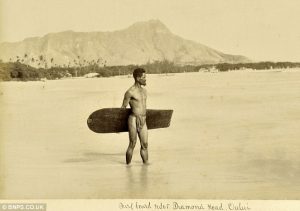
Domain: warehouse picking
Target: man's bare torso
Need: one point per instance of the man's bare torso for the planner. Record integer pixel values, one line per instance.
(138, 98)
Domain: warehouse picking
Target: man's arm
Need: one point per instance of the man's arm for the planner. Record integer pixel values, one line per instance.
(126, 99)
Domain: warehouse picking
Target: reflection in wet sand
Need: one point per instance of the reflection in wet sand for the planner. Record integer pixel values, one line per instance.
(137, 179)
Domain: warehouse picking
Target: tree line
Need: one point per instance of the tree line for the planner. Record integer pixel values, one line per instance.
(43, 61)
(20, 71)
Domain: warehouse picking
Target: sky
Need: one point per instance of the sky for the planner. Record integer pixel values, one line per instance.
(259, 29)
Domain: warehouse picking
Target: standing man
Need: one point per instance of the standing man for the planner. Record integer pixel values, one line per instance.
(136, 97)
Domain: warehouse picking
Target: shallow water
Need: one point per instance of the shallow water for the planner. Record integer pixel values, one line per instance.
(233, 136)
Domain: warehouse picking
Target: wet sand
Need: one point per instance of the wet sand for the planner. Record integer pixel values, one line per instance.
(233, 135)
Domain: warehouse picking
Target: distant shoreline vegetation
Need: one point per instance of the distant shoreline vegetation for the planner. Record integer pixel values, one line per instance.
(17, 71)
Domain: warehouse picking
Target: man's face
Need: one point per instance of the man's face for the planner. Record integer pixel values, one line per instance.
(142, 79)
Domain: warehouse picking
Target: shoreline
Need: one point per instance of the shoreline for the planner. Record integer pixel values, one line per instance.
(277, 70)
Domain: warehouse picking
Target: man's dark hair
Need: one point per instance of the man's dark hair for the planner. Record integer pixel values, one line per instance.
(138, 72)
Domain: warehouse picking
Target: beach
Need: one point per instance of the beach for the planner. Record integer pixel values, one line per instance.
(233, 135)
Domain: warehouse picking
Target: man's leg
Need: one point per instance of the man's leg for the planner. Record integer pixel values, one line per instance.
(143, 135)
(132, 138)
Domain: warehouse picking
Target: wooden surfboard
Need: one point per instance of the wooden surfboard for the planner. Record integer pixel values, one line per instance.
(114, 120)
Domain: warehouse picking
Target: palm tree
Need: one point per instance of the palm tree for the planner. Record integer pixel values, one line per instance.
(51, 61)
(31, 61)
(26, 59)
(43, 61)
(41, 58)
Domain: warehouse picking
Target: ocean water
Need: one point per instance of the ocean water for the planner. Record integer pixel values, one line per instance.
(233, 135)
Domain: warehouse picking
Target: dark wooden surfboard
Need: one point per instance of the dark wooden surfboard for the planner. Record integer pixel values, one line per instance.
(114, 120)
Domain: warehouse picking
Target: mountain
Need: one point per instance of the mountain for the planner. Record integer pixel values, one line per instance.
(140, 43)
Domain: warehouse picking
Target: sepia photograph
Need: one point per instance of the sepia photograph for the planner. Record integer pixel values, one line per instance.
(137, 99)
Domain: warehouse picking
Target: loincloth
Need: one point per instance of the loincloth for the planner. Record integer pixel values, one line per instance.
(140, 121)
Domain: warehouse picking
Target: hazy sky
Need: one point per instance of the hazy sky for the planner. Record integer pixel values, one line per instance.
(259, 29)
